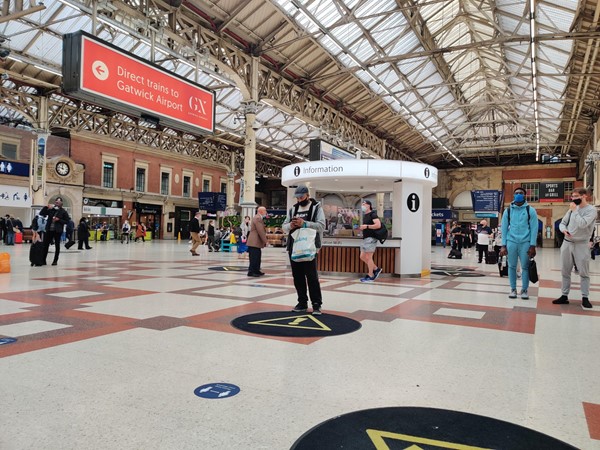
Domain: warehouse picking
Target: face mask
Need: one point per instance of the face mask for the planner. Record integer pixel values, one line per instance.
(577, 201)
(55, 207)
(303, 202)
(364, 209)
(519, 198)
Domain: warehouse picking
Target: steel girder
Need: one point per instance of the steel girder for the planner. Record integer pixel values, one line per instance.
(81, 117)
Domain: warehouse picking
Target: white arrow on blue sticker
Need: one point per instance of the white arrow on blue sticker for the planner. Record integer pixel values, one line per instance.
(217, 390)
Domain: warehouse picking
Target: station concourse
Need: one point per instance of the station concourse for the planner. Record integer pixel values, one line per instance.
(150, 112)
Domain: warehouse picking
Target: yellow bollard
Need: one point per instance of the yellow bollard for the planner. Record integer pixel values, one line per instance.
(179, 236)
(4, 263)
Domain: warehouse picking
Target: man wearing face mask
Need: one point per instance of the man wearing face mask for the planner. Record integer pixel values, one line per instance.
(57, 218)
(306, 213)
(519, 236)
(577, 225)
(256, 242)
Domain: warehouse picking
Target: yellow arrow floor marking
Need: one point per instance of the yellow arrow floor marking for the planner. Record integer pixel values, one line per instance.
(298, 321)
(378, 436)
(292, 322)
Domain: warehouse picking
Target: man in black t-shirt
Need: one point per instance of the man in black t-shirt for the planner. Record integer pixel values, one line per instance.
(369, 245)
(457, 237)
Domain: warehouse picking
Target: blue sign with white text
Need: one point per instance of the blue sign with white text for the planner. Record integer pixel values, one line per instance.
(487, 200)
(443, 214)
(14, 168)
(217, 390)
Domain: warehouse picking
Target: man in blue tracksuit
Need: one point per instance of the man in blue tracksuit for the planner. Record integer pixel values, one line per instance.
(519, 235)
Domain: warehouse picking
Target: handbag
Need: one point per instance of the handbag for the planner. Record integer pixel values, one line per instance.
(304, 247)
(533, 272)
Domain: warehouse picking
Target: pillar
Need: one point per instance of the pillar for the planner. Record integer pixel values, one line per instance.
(412, 221)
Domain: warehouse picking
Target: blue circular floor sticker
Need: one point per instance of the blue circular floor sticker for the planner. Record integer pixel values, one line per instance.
(217, 390)
(4, 341)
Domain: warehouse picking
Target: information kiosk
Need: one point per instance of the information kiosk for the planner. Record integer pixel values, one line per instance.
(407, 252)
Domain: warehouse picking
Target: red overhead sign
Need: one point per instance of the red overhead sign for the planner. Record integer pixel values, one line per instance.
(105, 72)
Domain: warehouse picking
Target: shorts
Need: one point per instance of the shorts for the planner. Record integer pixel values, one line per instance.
(369, 245)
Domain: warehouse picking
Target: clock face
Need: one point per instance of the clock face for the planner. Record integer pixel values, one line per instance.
(62, 168)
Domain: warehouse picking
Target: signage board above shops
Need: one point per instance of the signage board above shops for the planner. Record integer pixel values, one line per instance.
(443, 214)
(487, 200)
(145, 208)
(212, 201)
(15, 196)
(552, 192)
(100, 73)
(14, 168)
(102, 211)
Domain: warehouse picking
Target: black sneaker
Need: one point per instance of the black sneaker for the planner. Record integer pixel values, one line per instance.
(585, 303)
(300, 308)
(376, 273)
(562, 300)
(316, 311)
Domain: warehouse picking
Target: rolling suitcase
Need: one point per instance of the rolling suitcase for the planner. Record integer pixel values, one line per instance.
(491, 258)
(36, 254)
(18, 238)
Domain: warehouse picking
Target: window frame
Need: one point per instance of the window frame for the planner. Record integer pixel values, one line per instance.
(209, 179)
(568, 192)
(111, 159)
(144, 167)
(169, 172)
(190, 177)
(9, 141)
(532, 192)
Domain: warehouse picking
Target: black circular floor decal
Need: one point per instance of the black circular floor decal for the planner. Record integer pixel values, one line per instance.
(289, 324)
(457, 273)
(453, 268)
(422, 428)
(230, 268)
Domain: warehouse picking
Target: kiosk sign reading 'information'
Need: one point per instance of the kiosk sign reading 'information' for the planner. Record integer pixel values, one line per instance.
(95, 71)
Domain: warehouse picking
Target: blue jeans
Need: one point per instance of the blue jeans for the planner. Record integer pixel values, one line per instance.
(518, 251)
(10, 238)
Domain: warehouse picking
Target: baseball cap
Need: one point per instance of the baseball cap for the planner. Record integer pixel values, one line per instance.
(368, 202)
(300, 191)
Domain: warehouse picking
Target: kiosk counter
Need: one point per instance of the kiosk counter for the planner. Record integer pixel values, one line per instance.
(342, 254)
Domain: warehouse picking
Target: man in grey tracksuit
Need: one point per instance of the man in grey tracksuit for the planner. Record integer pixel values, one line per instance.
(577, 225)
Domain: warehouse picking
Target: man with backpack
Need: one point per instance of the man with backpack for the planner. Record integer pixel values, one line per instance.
(371, 223)
(519, 236)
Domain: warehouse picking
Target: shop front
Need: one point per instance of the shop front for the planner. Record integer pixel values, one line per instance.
(104, 222)
(151, 217)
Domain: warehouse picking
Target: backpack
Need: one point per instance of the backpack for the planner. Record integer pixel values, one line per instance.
(381, 233)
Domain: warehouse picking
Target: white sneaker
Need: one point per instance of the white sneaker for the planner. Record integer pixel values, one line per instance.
(513, 293)
(524, 294)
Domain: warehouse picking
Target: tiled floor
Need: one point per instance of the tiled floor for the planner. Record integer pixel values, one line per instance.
(112, 343)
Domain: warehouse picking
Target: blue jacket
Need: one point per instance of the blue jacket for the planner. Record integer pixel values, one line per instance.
(519, 230)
